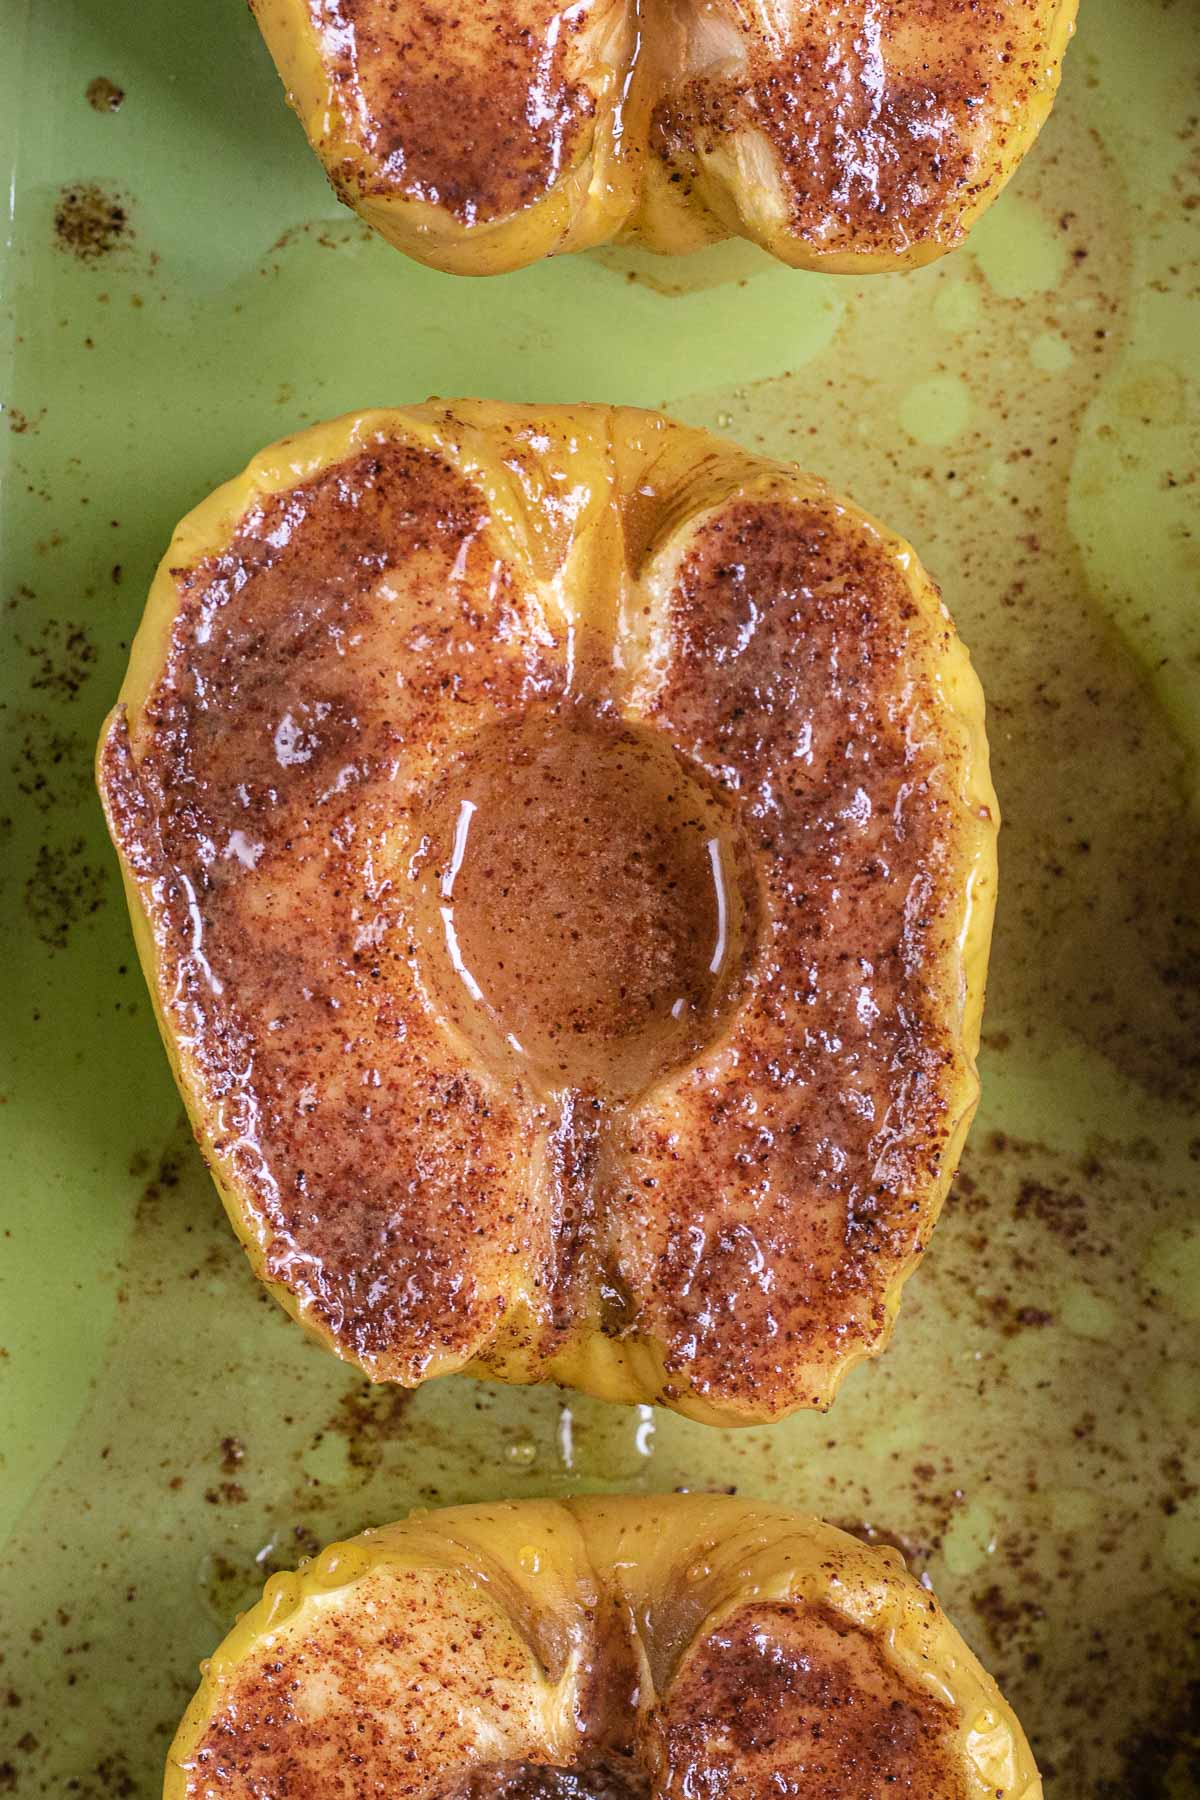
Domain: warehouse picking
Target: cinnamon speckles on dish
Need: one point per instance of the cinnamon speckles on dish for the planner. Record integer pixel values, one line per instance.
(103, 95)
(64, 888)
(90, 221)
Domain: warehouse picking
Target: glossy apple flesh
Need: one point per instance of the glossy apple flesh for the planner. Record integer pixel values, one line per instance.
(563, 857)
(479, 135)
(600, 1650)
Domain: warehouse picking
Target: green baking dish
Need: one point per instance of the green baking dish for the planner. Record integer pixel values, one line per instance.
(179, 288)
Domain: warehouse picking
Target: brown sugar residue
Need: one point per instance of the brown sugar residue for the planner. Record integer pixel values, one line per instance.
(62, 655)
(226, 1493)
(233, 1454)
(1163, 1758)
(1065, 1202)
(63, 890)
(51, 767)
(1027, 1224)
(1061, 1209)
(111, 1779)
(89, 221)
(104, 95)
(1010, 1622)
(165, 1179)
(1008, 1318)
(369, 1419)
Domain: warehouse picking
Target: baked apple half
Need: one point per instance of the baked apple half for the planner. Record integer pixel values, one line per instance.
(480, 135)
(600, 1650)
(563, 857)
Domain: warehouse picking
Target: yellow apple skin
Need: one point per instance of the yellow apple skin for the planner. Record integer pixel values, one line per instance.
(644, 492)
(481, 135)
(679, 1644)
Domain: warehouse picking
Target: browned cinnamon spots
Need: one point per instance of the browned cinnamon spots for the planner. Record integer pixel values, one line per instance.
(362, 1702)
(793, 1701)
(315, 677)
(468, 105)
(414, 1686)
(768, 1201)
(882, 119)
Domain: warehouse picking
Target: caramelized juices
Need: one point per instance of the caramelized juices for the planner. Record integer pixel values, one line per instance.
(592, 904)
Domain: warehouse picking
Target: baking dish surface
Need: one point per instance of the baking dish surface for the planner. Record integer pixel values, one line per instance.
(180, 287)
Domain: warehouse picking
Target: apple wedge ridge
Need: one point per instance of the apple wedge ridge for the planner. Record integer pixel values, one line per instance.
(563, 857)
